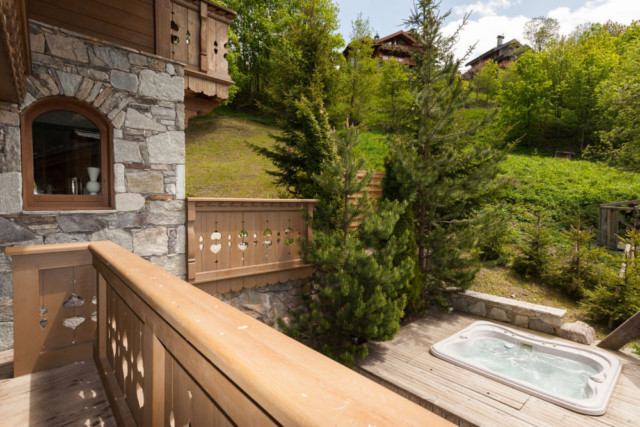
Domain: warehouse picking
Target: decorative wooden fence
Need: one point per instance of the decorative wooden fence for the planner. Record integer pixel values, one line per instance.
(54, 294)
(242, 243)
(170, 354)
(609, 219)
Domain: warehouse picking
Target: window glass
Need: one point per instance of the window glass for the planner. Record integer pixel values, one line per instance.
(65, 145)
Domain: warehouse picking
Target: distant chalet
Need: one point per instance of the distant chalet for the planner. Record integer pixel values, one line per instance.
(395, 47)
(503, 54)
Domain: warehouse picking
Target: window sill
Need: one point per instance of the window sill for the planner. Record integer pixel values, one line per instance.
(71, 212)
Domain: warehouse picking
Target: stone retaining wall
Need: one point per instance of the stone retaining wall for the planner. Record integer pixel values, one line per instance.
(524, 314)
(267, 303)
(142, 96)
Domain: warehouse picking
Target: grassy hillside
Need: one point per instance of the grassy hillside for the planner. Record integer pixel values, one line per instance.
(219, 162)
(561, 188)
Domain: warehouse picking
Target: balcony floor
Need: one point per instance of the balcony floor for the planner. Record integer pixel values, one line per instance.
(405, 365)
(70, 395)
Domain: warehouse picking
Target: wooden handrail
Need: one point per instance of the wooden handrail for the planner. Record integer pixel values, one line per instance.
(203, 358)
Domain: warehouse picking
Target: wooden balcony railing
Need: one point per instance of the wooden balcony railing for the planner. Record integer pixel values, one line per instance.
(170, 354)
(242, 243)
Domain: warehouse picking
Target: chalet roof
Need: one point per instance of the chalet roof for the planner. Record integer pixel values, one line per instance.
(513, 43)
(402, 34)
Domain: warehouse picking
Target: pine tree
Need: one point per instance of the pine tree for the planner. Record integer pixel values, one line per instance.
(359, 291)
(535, 257)
(444, 170)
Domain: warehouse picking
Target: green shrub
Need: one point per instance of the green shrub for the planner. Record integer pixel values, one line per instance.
(614, 301)
(497, 237)
(535, 258)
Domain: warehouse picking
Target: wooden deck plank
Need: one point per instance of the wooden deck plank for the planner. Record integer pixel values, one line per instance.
(405, 365)
(70, 395)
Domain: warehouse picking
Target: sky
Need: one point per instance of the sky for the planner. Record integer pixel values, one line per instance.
(489, 18)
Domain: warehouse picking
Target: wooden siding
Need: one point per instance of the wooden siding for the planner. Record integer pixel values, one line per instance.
(125, 22)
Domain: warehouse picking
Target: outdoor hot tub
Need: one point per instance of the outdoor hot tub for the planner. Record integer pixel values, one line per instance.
(576, 378)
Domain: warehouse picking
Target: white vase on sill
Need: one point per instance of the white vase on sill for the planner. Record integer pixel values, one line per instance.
(93, 186)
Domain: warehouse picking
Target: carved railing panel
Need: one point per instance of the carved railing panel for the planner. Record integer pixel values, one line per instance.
(54, 300)
(243, 243)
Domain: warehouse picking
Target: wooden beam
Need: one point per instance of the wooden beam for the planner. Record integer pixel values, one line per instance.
(15, 51)
(624, 333)
(163, 29)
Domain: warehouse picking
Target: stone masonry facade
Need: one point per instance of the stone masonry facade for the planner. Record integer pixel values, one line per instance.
(142, 96)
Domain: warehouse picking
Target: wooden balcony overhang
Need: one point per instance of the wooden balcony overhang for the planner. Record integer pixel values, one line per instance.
(15, 53)
(170, 354)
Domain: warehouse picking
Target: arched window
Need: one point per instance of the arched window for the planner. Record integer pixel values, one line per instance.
(66, 156)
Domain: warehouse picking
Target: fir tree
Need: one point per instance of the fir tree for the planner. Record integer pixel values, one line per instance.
(359, 291)
(535, 257)
(445, 171)
(299, 151)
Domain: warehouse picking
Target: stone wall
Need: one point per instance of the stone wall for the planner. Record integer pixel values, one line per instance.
(524, 314)
(267, 303)
(142, 96)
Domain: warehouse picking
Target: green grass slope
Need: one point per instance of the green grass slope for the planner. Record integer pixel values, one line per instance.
(561, 188)
(219, 163)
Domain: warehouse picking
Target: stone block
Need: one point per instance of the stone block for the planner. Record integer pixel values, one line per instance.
(578, 331)
(117, 236)
(137, 120)
(522, 321)
(161, 86)
(12, 150)
(167, 212)
(6, 336)
(181, 240)
(69, 83)
(171, 70)
(126, 151)
(167, 148)
(496, 313)
(5, 286)
(478, 308)
(94, 74)
(180, 182)
(10, 118)
(124, 81)
(129, 202)
(110, 57)
(151, 241)
(174, 264)
(132, 219)
(6, 310)
(142, 181)
(84, 89)
(49, 82)
(36, 40)
(66, 47)
(138, 60)
(80, 223)
(65, 238)
(119, 183)
(163, 112)
(555, 318)
(10, 193)
(539, 325)
(460, 303)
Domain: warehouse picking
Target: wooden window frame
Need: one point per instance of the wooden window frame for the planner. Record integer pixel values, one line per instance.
(103, 201)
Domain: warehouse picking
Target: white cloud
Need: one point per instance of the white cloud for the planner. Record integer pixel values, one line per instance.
(485, 8)
(484, 32)
(622, 11)
(486, 28)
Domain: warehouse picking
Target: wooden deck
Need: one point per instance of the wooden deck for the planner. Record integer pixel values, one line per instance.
(463, 397)
(70, 395)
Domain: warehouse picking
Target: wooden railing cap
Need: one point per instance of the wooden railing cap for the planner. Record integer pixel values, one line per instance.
(293, 383)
